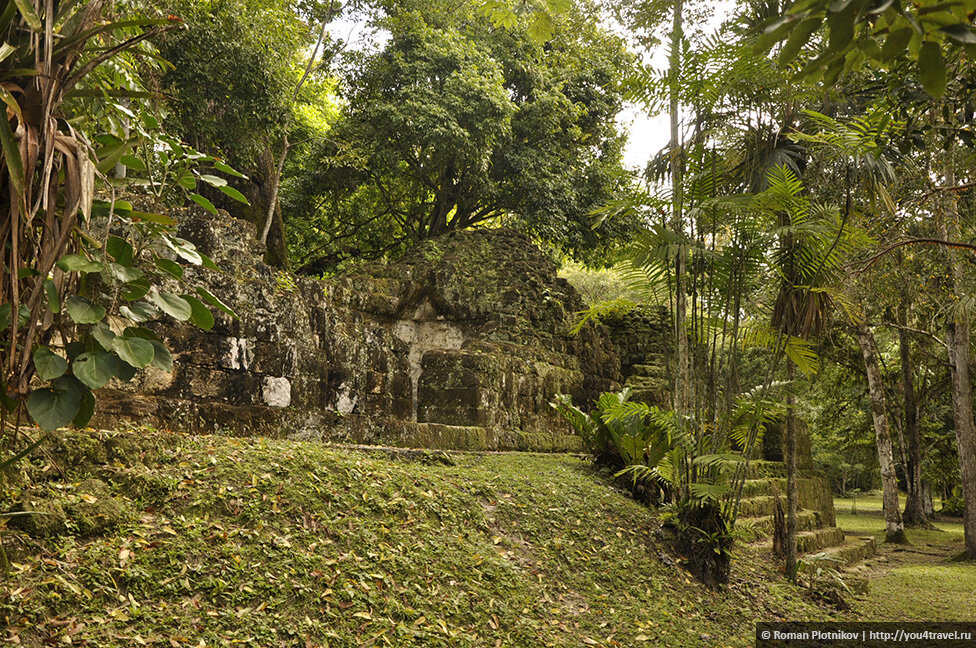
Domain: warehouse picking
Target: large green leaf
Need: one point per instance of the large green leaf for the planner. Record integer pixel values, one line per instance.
(896, 43)
(235, 194)
(220, 166)
(5, 316)
(49, 365)
(111, 153)
(203, 202)
(126, 371)
(212, 180)
(185, 249)
(139, 311)
(53, 408)
(95, 369)
(134, 351)
(932, 69)
(78, 263)
(841, 28)
(159, 219)
(798, 38)
(103, 335)
(201, 316)
(173, 305)
(83, 311)
(962, 34)
(162, 358)
(216, 303)
(53, 299)
(172, 268)
(120, 250)
(85, 411)
(134, 163)
(135, 289)
(142, 332)
(124, 274)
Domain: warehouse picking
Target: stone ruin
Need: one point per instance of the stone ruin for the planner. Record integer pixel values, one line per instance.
(461, 344)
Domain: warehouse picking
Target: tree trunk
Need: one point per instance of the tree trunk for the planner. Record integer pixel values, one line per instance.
(275, 186)
(258, 190)
(957, 334)
(894, 527)
(914, 506)
(958, 340)
(682, 392)
(792, 479)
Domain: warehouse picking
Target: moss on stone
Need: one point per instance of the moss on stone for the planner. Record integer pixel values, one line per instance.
(40, 516)
(92, 509)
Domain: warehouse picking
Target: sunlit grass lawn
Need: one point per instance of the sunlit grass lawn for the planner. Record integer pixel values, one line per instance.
(920, 581)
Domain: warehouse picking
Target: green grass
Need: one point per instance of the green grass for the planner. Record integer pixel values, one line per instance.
(256, 542)
(919, 581)
(922, 592)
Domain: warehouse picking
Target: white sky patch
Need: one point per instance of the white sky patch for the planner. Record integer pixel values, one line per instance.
(648, 134)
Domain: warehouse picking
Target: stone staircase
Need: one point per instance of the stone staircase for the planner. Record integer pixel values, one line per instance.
(650, 380)
(816, 531)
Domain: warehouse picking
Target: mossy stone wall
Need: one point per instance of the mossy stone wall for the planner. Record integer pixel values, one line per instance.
(472, 330)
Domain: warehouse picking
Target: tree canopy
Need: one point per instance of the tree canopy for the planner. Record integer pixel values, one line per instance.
(454, 123)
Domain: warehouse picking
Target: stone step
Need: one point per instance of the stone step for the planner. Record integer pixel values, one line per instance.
(439, 436)
(766, 470)
(762, 527)
(757, 487)
(753, 507)
(818, 539)
(854, 550)
(643, 383)
(813, 541)
(649, 371)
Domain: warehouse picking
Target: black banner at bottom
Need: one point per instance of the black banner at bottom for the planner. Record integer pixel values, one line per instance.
(865, 635)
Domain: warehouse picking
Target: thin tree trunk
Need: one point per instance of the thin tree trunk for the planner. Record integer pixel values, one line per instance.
(276, 176)
(275, 186)
(958, 337)
(894, 527)
(958, 341)
(682, 392)
(792, 479)
(914, 506)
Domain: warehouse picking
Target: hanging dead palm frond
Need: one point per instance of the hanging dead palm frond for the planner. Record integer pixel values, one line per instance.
(47, 168)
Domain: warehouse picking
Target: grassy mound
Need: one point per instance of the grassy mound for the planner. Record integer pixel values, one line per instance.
(220, 541)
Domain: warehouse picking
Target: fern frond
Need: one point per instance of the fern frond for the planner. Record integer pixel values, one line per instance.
(597, 312)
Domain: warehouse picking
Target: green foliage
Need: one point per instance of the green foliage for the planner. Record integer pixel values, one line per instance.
(234, 66)
(620, 433)
(864, 32)
(823, 578)
(597, 286)
(542, 15)
(703, 536)
(454, 124)
(653, 449)
(82, 272)
(954, 506)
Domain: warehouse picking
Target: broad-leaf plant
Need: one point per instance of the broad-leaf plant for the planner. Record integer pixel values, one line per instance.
(83, 270)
